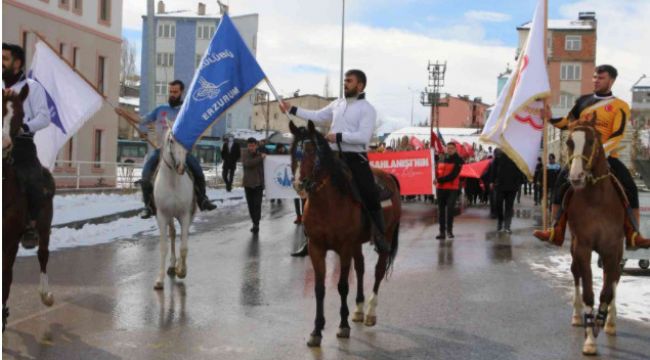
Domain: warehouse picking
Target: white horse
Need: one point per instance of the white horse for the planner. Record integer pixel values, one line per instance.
(174, 198)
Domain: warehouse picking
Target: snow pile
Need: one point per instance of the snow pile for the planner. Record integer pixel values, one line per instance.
(632, 292)
(121, 229)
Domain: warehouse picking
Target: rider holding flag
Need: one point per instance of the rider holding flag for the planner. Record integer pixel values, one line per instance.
(611, 115)
(353, 122)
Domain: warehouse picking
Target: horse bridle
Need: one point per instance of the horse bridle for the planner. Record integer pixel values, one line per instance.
(594, 150)
(309, 184)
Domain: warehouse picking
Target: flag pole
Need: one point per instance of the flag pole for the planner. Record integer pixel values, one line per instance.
(545, 131)
(42, 39)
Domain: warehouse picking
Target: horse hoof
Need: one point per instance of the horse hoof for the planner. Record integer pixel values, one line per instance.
(357, 317)
(610, 330)
(589, 349)
(371, 320)
(343, 333)
(576, 320)
(171, 271)
(158, 285)
(181, 273)
(47, 299)
(314, 341)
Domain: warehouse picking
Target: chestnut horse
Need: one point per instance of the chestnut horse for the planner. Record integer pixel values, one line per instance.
(596, 216)
(334, 220)
(14, 205)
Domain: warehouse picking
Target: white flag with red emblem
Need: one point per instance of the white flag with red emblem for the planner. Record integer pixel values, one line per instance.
(516, 124)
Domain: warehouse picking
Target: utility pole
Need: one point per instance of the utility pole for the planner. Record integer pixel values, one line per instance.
(342, 48)
(431, 94)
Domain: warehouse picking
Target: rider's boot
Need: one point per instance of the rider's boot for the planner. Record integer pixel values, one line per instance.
(554, 235)
(147, 198)
(201, 198)
(633, 239)
(377, 217)
(30, 236)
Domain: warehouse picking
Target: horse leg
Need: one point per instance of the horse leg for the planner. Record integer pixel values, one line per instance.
(584, 264)
(181, 268)
(9, 251)
(317, 256)
(576, 319)
(43, 256)
(359, 268)
(171, 269)
(607, 310)
(344, 326)
(380, 271)
(163, 227)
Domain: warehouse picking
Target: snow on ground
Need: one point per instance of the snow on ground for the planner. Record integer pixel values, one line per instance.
(632, 293)
(74, 207)
(126, 228)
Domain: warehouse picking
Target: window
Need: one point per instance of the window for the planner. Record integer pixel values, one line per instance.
(205, 32)
(570, 72)
(97, 156)
(567, 100)
(573, 43)
(167, 31)
(75, 57)
(104, 11)
(165, 59)
(161, 88)
(101, 74)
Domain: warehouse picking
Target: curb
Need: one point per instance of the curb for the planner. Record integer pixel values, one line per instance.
(78, 224)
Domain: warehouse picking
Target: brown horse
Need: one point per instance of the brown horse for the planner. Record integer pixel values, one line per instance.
(595, 217)
(334, 220)
(14, 205)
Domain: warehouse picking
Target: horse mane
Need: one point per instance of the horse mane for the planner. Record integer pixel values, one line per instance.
(332, 165)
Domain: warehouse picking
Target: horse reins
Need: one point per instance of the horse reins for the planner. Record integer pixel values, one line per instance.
(594, 150)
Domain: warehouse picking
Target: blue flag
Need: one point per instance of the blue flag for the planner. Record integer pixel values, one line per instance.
(227, 72)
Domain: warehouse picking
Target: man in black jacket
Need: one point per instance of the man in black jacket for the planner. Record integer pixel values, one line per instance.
(230, 154)
(507, 180)
(447, 189)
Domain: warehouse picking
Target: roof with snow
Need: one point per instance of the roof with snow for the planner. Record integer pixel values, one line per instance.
(565, 24)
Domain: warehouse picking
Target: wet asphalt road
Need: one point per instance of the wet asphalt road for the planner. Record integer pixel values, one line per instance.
(245, 298)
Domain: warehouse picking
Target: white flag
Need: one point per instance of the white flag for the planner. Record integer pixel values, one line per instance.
(516, 124)
(70, 99)
(278, 180)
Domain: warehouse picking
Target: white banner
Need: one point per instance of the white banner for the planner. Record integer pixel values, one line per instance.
(70, 99)
(515, 123)
(278, 180)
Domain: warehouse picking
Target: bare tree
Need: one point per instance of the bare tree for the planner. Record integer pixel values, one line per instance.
(127, 72)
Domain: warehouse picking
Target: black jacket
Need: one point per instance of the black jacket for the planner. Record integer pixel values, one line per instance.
(230, 158)
(458, 164)
(505, 174)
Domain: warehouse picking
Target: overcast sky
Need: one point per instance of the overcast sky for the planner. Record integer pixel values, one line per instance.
(392, 41)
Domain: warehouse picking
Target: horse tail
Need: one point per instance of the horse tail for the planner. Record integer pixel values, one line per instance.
(394, 245)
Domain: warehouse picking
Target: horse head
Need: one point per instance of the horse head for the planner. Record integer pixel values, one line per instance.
(12, 117)
(173, 153)
(585, 151)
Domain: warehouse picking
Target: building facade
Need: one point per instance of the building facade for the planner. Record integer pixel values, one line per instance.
(571, 53)
(87, 33)
(278, 121)
(181, 38)
(462, 112)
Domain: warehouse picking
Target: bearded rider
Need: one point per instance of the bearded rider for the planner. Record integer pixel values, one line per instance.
(162, 117)
(611, 114)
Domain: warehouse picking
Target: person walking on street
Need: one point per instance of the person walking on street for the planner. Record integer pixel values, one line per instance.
(253, 164)
(447, 189)
(230, 153)
(507, 180)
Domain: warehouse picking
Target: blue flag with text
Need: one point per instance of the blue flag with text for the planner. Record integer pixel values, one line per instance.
(227, 72)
